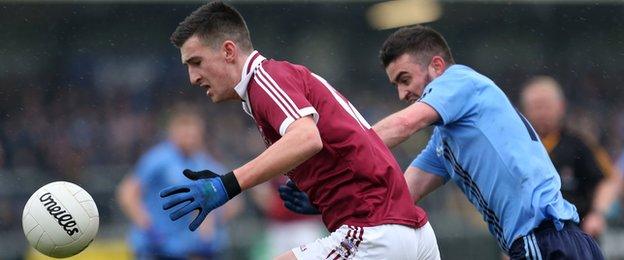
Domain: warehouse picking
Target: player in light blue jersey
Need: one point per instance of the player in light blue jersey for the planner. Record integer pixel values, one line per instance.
(483, 144)
(153, 235)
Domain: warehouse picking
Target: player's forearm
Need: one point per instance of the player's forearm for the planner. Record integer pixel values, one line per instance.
(393, 130)
(421, 183)
(292, 149)
(606, 193)
(129, 197)
(399, 126)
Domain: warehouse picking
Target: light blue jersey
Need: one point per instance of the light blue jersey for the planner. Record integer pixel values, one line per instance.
(493, 154)
(162, 167)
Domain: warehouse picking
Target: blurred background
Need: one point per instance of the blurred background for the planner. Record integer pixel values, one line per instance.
(86, 88)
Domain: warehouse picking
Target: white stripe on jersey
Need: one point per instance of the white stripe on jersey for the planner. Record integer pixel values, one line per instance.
(526, 248)
(261, 79)
(359, 116)
(538, 252)
(278, 88)
(285, 124)
(279, 104)
(345, 104)
(306, 111)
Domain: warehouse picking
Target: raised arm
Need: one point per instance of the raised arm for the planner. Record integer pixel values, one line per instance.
(398, 127)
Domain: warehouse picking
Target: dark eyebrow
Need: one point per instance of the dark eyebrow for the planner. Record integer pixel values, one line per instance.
(191, 59)
(398, 76)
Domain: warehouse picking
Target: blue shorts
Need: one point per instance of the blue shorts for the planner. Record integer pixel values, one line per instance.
(545, 242)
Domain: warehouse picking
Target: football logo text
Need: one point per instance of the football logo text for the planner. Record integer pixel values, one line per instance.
(63, 217)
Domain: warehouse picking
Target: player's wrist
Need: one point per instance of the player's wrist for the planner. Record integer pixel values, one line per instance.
(231, 185)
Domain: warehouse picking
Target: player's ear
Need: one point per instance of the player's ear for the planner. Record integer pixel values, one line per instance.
(438, 65)
(230, 51)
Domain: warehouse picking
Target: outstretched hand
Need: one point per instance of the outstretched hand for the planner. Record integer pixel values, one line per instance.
(206, 193)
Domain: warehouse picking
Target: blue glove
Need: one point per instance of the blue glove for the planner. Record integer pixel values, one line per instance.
(296, 200)
(208, 191)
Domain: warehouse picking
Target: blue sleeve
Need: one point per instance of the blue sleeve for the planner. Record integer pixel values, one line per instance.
(428, 160)
(147, 167)
(452, 95)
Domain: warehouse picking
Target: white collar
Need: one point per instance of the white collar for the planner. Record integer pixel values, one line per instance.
(253, 61)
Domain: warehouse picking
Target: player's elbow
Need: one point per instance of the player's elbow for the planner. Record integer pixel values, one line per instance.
(314, 143)
(309, 142)
(304, 136)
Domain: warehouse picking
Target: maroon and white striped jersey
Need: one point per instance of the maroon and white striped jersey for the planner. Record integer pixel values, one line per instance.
(354, 179)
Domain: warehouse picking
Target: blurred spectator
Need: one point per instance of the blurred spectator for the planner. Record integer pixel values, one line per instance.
(285, 229)
(588, 179)
(153, 234)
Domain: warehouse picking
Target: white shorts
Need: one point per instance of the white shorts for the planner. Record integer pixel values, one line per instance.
(378, 242)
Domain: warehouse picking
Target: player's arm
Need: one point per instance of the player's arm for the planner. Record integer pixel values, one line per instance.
(129, 198)
(421, 183)
(399, 126)
(606, 181)
(301, 141)
(608, 187)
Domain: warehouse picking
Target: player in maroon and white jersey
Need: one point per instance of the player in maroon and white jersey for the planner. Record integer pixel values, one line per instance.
(313, 134)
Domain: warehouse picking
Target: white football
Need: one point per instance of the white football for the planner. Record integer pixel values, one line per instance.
(60, 219)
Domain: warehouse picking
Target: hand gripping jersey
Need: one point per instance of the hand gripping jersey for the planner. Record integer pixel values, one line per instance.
(354, 179)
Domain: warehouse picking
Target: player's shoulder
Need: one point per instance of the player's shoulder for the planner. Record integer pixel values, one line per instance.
(453, 77)
(278, 68)
(159, 152)
(155, 158)
(274, 74)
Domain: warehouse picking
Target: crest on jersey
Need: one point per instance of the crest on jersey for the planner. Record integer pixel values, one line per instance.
(439, 150)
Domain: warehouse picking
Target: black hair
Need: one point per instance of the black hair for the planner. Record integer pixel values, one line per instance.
(214, 23)
(420, 41)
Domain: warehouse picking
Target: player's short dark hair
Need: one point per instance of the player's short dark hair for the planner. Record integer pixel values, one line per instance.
(418, 40)
(214, 23)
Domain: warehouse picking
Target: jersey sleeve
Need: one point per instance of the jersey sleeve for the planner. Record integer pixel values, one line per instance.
(281, 98)
(428, 160)
(451, 95)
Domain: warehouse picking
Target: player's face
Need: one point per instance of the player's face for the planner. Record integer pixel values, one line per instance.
(543, 108)
(409, 76)
(187, 135)
(208, 69)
